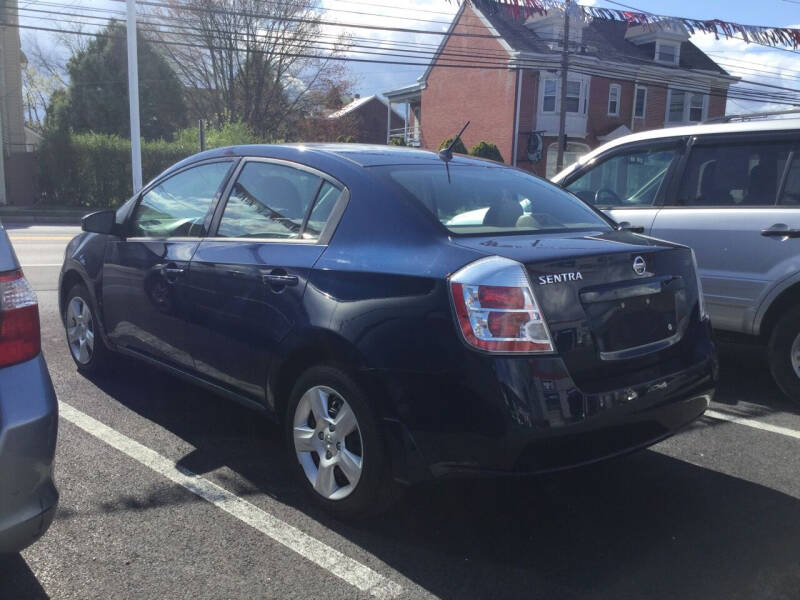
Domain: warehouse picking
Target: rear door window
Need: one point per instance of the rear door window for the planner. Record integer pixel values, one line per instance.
(791, 188)
(276, 201)
(629, 178)
(733, 174)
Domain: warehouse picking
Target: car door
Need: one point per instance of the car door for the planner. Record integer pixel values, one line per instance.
(247, 281)
(628, 182)
(144, 273)
(730, 206)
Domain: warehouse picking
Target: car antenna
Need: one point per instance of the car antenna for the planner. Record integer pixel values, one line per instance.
(446, 154)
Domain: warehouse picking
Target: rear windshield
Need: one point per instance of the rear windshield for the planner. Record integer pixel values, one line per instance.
(480, 200)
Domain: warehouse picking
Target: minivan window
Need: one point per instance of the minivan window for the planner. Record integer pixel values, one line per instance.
(738, 174)
(178, 206)
(627, 179)
(269, 200)
(791, 189)
(477, 199)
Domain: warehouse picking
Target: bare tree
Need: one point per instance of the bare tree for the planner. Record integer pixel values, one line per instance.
(247, 60)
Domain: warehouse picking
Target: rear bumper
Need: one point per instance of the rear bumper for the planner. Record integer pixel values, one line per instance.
(512, 415)
(28, 429)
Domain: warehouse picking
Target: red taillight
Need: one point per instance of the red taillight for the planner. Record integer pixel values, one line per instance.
(496, 308)
(19, 319)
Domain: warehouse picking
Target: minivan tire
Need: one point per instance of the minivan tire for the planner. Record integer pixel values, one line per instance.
(100, 357)
(784, 334)
(375, 490)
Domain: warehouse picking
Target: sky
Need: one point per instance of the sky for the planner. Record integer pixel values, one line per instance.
(748, 61)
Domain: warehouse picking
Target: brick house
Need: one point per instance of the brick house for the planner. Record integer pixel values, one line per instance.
(621, 79)
(369, 116)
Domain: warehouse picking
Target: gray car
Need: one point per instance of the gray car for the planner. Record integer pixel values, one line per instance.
(28, 413)
(731, 191)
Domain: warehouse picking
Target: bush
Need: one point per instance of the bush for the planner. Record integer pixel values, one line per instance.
(93, 170)
(459, 148)
(397, 141)
(486, 150)
(346, 139)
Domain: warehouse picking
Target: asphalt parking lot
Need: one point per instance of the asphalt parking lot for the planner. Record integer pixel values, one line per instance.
(170, 492)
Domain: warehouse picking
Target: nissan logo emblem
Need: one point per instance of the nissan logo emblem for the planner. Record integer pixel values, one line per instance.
(639, 266)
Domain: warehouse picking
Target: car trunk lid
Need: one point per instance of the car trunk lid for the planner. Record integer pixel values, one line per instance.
(614, 302)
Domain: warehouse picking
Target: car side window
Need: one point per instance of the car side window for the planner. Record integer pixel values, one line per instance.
(178, 206)
(738, 174)
(791, 189)
(273, 201)
(627, 179)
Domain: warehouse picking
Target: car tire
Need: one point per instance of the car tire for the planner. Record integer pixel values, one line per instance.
(325, 460)
(84, 341)
(784, 353)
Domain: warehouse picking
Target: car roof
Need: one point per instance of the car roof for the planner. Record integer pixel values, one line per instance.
(365, 155)
(688, 130)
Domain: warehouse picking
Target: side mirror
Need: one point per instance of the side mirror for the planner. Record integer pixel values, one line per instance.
(626, 226)
(102, 221)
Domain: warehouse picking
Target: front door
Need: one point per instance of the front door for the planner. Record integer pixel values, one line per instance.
(247, 281)
(734, 202)
(144, 273)
(628, 183)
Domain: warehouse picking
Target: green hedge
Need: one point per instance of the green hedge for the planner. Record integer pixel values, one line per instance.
(488, 150)
(93, 170)
(459, 148)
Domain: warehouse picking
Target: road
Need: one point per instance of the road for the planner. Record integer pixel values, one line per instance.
(170, 492)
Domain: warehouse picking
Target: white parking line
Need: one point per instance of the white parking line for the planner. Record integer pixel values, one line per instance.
(752, 423)
(330, 559)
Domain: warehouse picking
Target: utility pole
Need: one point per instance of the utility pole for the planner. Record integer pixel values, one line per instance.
(562, 112)
(133, 98)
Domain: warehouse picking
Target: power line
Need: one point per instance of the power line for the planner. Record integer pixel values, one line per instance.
(369, 50)
(473, 64)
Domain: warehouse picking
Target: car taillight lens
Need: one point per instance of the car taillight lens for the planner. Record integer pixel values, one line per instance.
(496, 308)
(19, 319)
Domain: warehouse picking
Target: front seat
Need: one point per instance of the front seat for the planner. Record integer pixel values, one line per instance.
(761, 187)
(503, 213)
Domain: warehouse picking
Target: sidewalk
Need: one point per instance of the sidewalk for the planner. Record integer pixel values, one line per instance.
(28, 214)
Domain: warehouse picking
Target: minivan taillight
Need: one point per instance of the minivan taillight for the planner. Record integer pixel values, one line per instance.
(496, 308)
(19, 319)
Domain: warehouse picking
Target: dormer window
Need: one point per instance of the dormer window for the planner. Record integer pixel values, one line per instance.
(667, 52)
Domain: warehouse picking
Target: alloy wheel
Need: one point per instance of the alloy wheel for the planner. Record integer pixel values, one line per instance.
(80, 330)
(328, 443)
(795, 355)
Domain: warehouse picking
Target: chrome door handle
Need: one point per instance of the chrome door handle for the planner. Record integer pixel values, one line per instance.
(276, 279)
(780, 230)
(173, 270)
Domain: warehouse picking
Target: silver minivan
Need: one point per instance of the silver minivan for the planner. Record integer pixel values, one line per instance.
(731, 191)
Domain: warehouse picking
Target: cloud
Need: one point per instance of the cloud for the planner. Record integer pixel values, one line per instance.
(754, 64)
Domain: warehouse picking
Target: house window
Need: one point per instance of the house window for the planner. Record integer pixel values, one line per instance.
(573, 96)
(685, 107)
(549, 99)
(577, 91)
(572, 153)
(696, 107)
(667, 53)
(614, 92)
(640, 103)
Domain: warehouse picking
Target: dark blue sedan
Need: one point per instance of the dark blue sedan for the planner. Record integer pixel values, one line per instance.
(403, 316)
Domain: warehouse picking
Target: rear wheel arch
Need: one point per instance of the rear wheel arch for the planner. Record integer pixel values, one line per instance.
(786, 300)
(313, 348)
